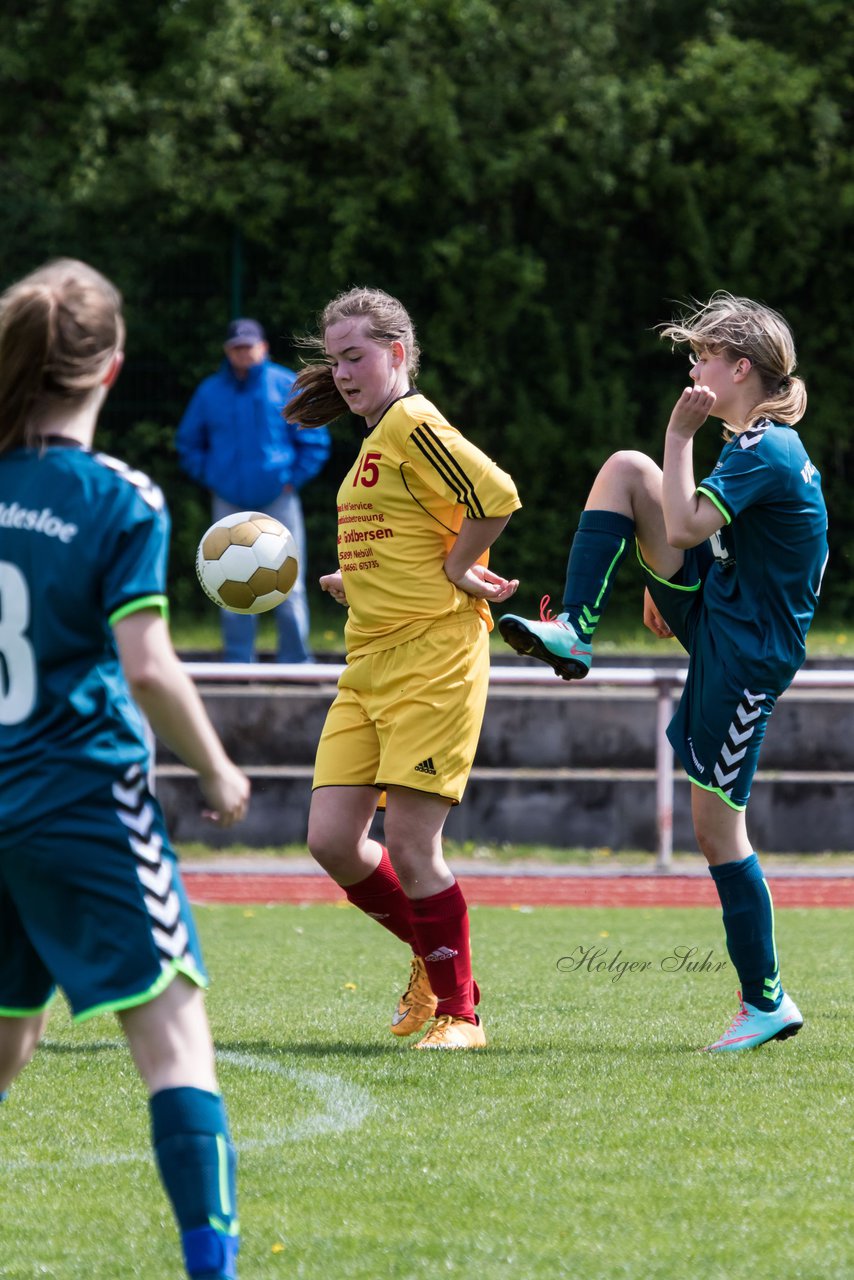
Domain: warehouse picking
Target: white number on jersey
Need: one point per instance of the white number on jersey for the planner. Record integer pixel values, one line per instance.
(720, 552)
(17, 660)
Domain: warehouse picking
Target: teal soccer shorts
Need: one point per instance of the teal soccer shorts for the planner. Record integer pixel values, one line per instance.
(720, 723)
(91, 900)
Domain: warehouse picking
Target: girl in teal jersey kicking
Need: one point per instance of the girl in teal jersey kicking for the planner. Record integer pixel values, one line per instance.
(733, 568)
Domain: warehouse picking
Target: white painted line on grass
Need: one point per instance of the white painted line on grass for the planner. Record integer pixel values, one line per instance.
(343, 1106)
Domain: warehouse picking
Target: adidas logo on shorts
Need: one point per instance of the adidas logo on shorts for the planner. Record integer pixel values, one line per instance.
(426, 766)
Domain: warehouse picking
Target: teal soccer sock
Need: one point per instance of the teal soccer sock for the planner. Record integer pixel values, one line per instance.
(599, 547)
(748, 915)
(197, 1164)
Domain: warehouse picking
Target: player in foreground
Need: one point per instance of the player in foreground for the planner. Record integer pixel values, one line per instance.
(733, 568)
(90, 895)
(416, 514)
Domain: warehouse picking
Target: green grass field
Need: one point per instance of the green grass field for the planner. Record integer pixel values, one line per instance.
(589, 1141)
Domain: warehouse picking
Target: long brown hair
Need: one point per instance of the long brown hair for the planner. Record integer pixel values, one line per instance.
(733, 327)
(315, 399)
(60, 328)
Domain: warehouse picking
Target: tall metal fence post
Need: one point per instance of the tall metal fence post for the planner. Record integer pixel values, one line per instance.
(664, 775)
(236, 273)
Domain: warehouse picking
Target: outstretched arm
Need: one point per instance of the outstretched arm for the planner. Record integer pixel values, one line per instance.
(176, 713)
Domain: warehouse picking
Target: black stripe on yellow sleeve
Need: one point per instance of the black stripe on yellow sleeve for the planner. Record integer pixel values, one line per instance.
(443, 461)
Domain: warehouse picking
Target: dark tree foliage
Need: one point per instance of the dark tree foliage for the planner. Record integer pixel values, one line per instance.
(541, 181)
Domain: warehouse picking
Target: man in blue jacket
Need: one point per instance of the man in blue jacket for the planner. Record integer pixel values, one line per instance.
(233, 440)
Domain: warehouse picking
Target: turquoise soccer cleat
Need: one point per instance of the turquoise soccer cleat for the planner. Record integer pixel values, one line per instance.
(553, 640)
(751, 1027)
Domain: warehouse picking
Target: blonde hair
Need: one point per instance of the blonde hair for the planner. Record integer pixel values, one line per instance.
(735, 327)
(315, 399)
(60, 328)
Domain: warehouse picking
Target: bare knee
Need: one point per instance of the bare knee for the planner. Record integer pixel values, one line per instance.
(721, 831)
(335, 850)
(628, 466)
(709, 847)
(419, 862)
(628, 483)
(170, 1039)
(19, 1039)
(338, 832)
(324, 841)
(422, 873)
(632, 461)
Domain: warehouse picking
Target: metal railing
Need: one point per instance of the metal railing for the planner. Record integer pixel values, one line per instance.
(666, 682)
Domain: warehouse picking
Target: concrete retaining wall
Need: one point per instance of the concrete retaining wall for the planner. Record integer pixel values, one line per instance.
(568, 766)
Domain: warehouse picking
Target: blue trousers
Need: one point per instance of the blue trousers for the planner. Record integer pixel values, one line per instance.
(239, 629)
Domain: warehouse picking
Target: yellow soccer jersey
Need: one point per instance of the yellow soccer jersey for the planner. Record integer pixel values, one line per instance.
(399, 508)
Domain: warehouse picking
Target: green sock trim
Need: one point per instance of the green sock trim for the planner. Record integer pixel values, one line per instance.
(607, 579)
(773, 926)
(224, 1228)
(598, 549)
(773, 988)
(224, 1189)
(587, 621)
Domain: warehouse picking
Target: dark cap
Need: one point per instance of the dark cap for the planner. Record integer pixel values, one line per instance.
(244, 333)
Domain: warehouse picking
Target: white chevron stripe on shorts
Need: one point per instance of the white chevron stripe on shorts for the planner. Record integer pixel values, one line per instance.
(167, 914)
(149, 851)
(740, 732)
(136, 812)
(157, 881)
(174, 944)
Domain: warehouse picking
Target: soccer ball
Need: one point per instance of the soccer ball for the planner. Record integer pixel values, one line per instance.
(247, 562)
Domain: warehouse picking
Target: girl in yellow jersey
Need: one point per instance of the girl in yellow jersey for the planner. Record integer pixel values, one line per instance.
(417, 513)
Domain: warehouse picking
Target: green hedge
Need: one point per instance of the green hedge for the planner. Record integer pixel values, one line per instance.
(539, 181)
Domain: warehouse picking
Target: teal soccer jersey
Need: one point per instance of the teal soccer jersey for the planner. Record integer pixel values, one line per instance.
(83, 541)
(742, 604)
(762, 591)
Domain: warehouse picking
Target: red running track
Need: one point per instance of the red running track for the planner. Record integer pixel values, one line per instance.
(525, 891)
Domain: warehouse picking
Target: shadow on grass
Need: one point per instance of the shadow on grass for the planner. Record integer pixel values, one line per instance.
(308, 1049)
(494, 1050)
(355, 1050)
(265, 1048)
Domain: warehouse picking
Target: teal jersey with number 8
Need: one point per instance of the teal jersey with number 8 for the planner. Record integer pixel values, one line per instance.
(83, 541)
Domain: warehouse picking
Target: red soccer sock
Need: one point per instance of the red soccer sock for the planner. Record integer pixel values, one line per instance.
(442, 938)
(380, 896)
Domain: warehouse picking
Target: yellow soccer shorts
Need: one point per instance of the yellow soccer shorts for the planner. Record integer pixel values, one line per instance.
(410, 716)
